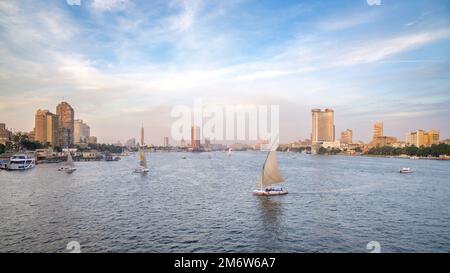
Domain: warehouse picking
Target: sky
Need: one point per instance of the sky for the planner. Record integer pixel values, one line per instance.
(123, 63)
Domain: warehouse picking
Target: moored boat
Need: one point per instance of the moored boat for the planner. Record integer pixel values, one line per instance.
(20, 162)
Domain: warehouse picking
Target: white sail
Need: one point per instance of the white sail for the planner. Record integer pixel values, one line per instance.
(142, 159)
(270, 173)
(69, 160)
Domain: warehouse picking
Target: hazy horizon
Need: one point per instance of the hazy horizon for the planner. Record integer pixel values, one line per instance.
(121, 63)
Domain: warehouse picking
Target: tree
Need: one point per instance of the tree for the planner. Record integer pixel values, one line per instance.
(322, 151)
(2, 148)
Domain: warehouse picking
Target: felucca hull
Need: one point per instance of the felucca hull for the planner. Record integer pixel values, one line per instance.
(269, 193)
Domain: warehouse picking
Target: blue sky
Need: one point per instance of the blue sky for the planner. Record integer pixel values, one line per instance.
(124, 62)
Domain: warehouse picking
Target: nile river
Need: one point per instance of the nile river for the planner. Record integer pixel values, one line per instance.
(201, 204)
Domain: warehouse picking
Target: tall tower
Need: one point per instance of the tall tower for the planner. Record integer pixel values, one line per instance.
(377, 131)
(322, 125)
(65, 115)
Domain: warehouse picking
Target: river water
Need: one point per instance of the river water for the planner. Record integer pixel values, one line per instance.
(202, 204)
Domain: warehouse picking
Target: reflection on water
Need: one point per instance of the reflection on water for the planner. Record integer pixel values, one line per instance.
(202, 204)
(270, 211)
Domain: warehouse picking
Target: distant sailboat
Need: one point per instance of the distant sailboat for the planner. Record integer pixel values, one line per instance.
(68, 166)
(142, 168)
(270, 175)
(229, 151)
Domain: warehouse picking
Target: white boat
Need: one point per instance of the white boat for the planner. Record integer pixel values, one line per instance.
(142, 168)
(20, 162)
(406, 170)
(270, 175)
(68, 166)
(229, 151)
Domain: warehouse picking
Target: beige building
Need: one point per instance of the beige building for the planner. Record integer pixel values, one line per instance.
(382, 141)
(5, 134)
(195, 137)
(377, 131)
(322, 126)
(347, 137)
(46, 127)
(81, 132)
(421, 138)
(66, 115)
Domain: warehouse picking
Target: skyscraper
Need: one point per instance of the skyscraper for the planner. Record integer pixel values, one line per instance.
(166, 142)
(81, 132)
(65, 115)
(347, 136)
(52, 129)
(40, 126)
(195, 137)
(377, 131)
(46, 127)
(322, 125)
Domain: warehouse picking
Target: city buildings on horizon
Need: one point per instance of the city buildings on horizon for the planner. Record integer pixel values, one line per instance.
(82, 132)
(347, 137)
(421, 138)
(377, 131)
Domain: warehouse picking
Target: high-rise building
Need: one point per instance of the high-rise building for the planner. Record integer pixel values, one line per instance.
(81, 132)
(421, 138)
(347, 137)
(46, 127)
(52, 129)
(166, 142)
(195, 137)
(40, 126)
(322, 125)
(433, 137)
(377, 131)
(5, 134)
(65, 115)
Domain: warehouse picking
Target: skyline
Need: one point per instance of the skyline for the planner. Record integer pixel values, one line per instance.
(130, 62)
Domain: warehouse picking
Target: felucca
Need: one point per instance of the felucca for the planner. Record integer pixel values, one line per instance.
(270, 175)
(142, 168)
(68, 166)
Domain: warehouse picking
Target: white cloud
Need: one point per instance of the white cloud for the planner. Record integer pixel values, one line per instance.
(110, 5)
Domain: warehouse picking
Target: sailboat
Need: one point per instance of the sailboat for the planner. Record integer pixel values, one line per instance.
(68, 166)
(229, 152)
(142, 168)
(270, 175)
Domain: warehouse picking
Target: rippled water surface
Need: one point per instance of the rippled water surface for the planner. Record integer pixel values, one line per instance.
(335, 204)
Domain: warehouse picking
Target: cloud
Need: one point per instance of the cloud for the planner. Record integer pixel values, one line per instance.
(347, 21)
(379, 50)
(110, 5)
